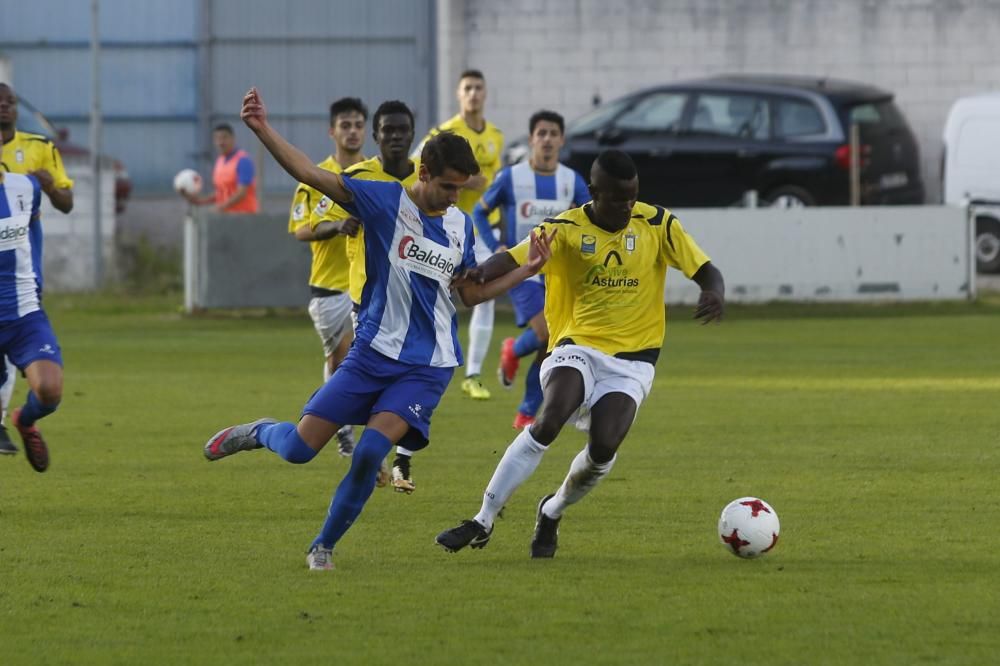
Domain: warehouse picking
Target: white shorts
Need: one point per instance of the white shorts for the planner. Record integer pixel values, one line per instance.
(602, 374)
(331, 316)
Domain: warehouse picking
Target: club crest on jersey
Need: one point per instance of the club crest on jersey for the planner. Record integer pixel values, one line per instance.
(19, 156)
(630, 242)
(588, 244)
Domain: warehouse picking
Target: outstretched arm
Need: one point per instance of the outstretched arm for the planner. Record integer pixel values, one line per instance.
(712, 302)
(501, 272)
(294, 161)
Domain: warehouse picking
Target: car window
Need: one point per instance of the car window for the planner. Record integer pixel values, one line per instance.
(597, 118)
(657, 112)
(737, 116)
(883, 114)
(797, 117)
(29, 119)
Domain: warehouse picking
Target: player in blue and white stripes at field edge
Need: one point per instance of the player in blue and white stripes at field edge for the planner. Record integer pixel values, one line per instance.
(527, 194)
(26, 336)
(418, 247)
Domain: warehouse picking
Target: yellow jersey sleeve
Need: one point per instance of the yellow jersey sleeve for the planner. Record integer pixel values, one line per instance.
(329, 268)
(681, 250)
(28, 152)
(54, 163)
(302, 203)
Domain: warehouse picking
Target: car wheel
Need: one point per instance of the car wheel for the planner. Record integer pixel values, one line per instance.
(987, 245)
(789, 196)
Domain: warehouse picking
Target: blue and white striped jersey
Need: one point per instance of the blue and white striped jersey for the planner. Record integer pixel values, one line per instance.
(525, 199)
(20, 246)
(406, 309)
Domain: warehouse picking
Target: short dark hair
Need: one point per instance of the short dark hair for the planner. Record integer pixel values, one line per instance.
(392, 106)
(545, 115)
(472, 74)
(224, 127)
(347, 105)
(617, 164)
(449, 151)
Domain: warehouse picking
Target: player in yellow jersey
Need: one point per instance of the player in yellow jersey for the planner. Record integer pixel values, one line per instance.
(392, 129)
(487, 145)
(330, 306)
(34, 154)
(607, 269)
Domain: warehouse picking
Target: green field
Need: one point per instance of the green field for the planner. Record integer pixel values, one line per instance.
(873, 430)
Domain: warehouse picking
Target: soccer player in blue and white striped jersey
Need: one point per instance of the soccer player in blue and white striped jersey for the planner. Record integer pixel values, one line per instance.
(418, 246)
(526, 194)
(26, 336)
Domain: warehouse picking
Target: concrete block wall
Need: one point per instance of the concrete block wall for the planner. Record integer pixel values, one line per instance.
(562, 53)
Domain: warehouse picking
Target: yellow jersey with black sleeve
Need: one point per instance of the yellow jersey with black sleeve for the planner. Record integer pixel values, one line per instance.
(604, 289)
(28, 152)
(329, 271)
(487, 145)
(370, 169)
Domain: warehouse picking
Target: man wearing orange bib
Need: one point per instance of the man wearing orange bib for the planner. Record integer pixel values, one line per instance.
(233, 177)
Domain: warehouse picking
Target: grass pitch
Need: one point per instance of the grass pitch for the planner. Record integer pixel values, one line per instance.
(872, 430)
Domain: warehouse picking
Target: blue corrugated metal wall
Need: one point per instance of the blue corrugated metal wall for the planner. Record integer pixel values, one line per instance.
(170, 69)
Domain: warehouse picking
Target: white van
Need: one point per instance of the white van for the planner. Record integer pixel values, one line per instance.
(970, 169)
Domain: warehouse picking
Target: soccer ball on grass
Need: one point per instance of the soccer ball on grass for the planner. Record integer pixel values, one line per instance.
(748, 527)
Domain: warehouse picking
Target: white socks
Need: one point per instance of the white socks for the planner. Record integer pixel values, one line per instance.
(7, 390)
(518, 463)
(400, 451)
(583, 475)
(480, 332)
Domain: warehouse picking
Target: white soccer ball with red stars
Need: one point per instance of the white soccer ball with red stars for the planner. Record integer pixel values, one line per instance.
(187, 181)
(748, 527)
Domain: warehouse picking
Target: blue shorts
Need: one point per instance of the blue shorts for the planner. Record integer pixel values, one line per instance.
(528, 299)
(27, 340)
(368, 382)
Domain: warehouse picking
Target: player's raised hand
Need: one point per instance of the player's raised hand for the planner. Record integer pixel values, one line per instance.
(253, 113)
(710, 307)
(540, 249)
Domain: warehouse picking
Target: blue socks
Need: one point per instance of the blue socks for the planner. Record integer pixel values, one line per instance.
(526, 343)
(34, 410)
(284, 439)
(356, 488)
(532, 391)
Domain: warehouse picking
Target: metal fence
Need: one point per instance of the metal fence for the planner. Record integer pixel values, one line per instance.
(171, 69)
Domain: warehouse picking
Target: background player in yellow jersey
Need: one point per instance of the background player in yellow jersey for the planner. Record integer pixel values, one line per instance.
(392, 129)
(330, 305)
(33, 154)
(607, 270)
(487, 145)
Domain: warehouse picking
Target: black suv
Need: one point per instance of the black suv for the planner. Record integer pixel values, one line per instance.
(707, 142)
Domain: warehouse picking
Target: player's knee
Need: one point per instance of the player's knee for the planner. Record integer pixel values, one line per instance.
(545, 429)
(49, 392)
(601, 452)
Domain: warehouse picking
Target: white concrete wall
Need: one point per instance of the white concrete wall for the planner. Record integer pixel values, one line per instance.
(875, 253)
(561, 53)
(68, 245)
